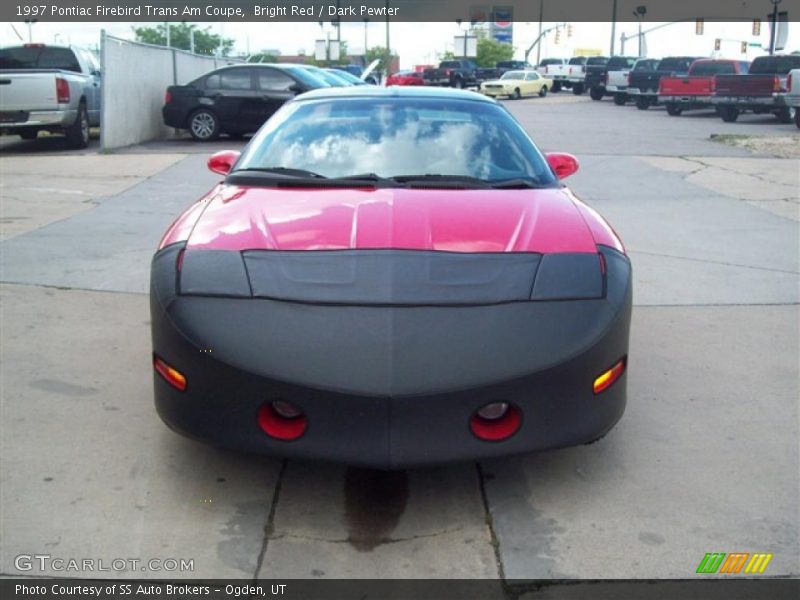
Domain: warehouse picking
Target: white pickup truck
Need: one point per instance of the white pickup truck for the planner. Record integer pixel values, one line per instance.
(556, 69)
(49, 88)
(617, 81)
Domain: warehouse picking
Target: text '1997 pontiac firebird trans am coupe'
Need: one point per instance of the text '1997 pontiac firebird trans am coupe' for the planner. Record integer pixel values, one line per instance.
(391, 277)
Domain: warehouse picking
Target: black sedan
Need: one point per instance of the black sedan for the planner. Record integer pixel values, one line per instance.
(235, 100)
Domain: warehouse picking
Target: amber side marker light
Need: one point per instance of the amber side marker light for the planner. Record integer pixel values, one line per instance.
(173, 377)
(607, 379)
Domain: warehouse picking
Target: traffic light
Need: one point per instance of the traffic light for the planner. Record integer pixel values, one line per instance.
(717, 44)
(699, 26)
(558, 36)
(569, 30)
(756, 27)
(744, 47)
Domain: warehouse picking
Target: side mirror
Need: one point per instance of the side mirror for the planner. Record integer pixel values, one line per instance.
(223, 161)
(298, 88)
(563, 164)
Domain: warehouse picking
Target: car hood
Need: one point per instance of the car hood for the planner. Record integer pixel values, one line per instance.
(249, 218)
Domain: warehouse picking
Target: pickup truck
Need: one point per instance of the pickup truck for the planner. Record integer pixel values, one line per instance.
(559, 71)
(549, 66)
(617, 79)
(793, 96)
(643, 85)
(578, 73)
(696, 89)
(49, 88)
(503, 66)
(762, 90)
(597, 74)
(459, 73)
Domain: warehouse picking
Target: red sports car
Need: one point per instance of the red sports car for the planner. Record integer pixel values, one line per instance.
(391, 277)
(405, 78)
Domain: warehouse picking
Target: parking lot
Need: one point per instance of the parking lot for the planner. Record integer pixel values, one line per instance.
(705, 459)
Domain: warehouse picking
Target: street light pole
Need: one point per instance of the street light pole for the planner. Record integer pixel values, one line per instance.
(388, 46)
(539, 47)
(613, 25)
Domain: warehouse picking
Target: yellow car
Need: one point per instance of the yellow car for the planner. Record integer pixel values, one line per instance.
(516, 84)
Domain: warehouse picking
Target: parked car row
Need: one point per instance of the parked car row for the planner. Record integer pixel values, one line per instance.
(237, 100)
(683, 83)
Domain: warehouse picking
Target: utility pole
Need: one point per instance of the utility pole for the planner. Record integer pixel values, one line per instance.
(166, 28)
(366, 21)
(539, 47)
(613, 25)
(773, 36)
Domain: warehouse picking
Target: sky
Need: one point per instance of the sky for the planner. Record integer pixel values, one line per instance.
(407, 38)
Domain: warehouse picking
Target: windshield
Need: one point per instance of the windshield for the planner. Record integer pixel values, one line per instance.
(329, 78)
(552, 61)
(347, 76)
(308, 77)
(39, 57)
(620, 62)
(513, 75)
(397, 137)
(597, 60)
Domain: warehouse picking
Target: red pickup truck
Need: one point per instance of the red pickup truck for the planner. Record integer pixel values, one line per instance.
(696, 89)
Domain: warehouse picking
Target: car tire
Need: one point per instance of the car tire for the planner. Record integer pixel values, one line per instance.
(516, 95)
(786, 114)
(556, 87)
(577, 89)
(797, 118)
(729, 114)
(620, 99)
(77, 134)
(543, 91)
(29, 134)
(596, 93)
(673, 109)
(204, 125)
(458, 83)
(642, 103)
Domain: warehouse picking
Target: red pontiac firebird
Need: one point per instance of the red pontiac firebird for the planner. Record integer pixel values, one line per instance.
(391, 277)
(405, 78)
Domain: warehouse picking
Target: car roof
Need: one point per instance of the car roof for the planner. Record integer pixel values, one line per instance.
(375, 91)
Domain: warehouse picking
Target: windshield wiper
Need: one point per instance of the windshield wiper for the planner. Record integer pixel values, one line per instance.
(287, 171)
(460, 181)
(515, 184)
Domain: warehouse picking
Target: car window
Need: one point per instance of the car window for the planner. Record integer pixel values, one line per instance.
(39, 57)
(646, 65)
(713, 68)
(272, 79)
(578, 60)
(513, 75)
(531, 76)
(775, 65)
(235, 80)
(398, 136)
(597, 60)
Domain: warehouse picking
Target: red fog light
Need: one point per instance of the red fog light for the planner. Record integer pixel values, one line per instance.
(496, 421)
(273, 420)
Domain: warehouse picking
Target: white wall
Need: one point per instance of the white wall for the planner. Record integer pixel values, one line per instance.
(135, 78)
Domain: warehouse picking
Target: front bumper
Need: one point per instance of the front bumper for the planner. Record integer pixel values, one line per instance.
(495, 92)
(390, 386)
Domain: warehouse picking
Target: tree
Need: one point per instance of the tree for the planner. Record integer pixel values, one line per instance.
(378, 52)
(490, 52)
(180, 34)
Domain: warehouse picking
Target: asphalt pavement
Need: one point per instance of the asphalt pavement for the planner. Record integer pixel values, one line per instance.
(705, 458)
